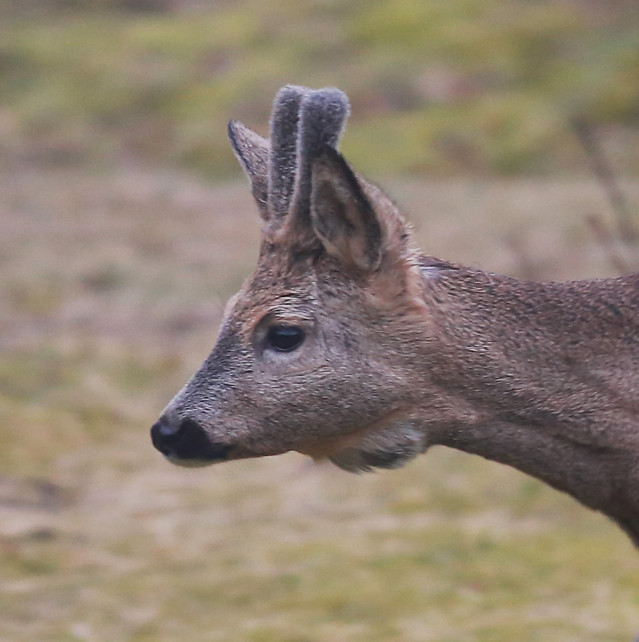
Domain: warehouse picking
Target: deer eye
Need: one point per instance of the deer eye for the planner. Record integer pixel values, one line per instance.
(285, 338)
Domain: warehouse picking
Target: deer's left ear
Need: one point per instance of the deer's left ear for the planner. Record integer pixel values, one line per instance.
(252, 151)
(342, 216)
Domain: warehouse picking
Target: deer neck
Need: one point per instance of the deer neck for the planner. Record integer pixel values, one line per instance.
(545, 378)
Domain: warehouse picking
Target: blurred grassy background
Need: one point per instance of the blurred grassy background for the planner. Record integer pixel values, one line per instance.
(440, 86)
(124, 226)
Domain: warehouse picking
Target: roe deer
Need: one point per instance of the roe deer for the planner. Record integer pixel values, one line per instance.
(348, 344)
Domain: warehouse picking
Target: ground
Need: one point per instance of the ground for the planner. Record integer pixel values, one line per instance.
(112, 287)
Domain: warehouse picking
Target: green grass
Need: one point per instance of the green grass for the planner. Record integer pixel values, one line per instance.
(447, 86)
(100, 539)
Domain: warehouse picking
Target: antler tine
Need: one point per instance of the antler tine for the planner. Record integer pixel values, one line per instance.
(282, 159)
(323, 114)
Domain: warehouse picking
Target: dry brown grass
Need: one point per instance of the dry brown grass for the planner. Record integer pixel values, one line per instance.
(111, 290)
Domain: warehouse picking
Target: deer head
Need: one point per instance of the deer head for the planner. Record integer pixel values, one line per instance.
(314, 353)
(347, 343)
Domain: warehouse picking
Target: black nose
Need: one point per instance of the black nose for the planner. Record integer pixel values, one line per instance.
(188, 441)
(162, 434)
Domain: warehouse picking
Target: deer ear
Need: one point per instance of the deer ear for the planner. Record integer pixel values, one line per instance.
(341, 214)
(252, 151)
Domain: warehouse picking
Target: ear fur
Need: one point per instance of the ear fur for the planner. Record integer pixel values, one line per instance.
(252, 151)
(342, 216)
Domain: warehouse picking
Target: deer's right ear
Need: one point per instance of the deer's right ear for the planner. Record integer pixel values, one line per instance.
(252, 151)
(342, 216)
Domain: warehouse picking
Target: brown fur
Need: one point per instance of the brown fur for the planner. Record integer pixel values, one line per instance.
(401, 351)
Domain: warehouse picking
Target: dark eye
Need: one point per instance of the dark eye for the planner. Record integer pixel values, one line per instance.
(285, 338)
